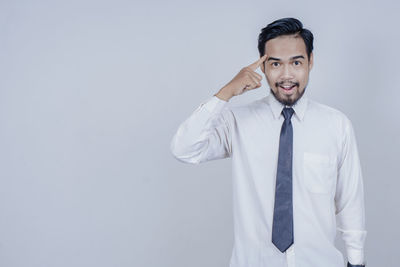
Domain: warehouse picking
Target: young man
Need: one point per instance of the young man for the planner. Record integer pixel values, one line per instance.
(296, 170)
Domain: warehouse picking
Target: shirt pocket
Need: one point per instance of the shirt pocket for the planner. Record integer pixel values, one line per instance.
(319, 172)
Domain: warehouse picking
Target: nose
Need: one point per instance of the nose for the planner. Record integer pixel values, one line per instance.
(286, 72)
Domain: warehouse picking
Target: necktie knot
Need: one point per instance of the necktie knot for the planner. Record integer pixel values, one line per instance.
(287, 113)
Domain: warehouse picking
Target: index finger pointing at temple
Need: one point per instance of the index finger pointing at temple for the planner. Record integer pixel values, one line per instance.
(257, 64)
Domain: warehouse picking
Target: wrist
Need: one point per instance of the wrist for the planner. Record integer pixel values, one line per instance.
(224, 94)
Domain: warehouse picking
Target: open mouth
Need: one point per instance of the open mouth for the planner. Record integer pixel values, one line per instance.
(288, 87)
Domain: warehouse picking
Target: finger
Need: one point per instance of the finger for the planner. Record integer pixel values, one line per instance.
(257, 64)
(258, 76)
(251, 85)
(255, 80)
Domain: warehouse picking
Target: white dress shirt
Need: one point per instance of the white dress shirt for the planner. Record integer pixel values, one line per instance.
(327, 180)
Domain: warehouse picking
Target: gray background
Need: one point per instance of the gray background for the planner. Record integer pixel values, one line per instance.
(91, 93)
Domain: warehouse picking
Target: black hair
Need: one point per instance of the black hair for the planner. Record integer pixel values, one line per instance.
(285, 26)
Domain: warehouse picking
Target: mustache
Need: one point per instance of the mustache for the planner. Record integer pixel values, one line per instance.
(286, 82)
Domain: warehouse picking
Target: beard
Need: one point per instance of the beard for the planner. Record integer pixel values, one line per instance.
(287, 101)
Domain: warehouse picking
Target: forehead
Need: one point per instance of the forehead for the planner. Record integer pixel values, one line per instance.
(285, 46)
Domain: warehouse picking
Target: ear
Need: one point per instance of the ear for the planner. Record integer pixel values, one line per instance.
(311, 61)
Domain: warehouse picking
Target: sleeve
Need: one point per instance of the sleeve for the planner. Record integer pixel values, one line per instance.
(205, 135)
(349, 198)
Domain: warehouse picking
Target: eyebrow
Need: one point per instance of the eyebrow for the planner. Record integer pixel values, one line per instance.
(278, 59)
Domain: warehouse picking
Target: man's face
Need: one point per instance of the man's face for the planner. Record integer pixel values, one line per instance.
(287, 68)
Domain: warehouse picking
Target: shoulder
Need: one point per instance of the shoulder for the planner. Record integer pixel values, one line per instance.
(332, 118)
(326, 112)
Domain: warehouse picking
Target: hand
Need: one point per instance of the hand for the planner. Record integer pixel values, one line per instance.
(247, 79)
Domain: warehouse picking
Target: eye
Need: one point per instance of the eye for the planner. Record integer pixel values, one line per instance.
(297, 63)
(275, 64)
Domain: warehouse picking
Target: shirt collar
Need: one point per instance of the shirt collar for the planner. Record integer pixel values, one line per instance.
(299, 107)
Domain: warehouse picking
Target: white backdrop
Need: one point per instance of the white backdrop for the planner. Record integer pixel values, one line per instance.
(91, 93)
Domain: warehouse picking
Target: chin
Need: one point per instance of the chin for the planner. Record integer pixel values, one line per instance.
(288, 100)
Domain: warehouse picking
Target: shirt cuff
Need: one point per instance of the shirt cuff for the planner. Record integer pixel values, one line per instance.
(352, 265)
(214, 104)
(355, 256)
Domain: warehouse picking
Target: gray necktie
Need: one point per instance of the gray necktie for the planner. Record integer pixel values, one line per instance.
(282, 227)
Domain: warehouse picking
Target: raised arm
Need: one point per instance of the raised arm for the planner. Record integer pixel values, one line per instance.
(205, 135)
